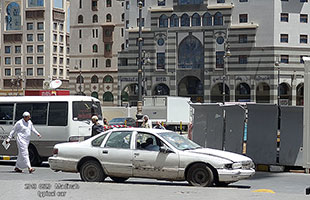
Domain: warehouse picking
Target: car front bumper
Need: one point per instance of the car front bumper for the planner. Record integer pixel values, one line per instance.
(233, 175)
(61, 164)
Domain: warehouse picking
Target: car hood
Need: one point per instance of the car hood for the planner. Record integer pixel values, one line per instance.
(233, 157)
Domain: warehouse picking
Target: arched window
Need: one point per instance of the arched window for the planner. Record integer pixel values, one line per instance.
(174, 21)
(243, 93)
(94, 94)
(109, 18)
(13, 18)
(218, 19)
(108, 97)
(185, 20)
(161, 89)
(196, 20)
(80, 19)
(207, 19)
(163, 21)
(108, 63)
(190, 53)
(123, 17)
(217, 93)
(95, 18)
(263, 93)
(94, 79)
(80, 79)
(95, 48)
(300, 95)
(108, 79)
(285, 93)
(191, 86)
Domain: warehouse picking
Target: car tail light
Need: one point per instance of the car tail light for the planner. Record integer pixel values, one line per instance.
(55, 151)
(76, 138)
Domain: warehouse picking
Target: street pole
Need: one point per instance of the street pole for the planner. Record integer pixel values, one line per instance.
(139, 104)
(278, 92)
(80, 88)
(226, 56)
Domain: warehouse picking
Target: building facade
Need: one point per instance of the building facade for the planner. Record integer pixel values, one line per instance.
(96, 34)
(251, 50)
(34, 45)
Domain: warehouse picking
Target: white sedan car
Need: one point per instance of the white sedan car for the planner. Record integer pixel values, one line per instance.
(149, 153)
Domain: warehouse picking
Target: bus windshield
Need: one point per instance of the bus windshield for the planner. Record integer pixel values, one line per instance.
(84, 110)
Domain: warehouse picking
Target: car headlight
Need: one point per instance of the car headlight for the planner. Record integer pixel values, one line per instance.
(237, 166)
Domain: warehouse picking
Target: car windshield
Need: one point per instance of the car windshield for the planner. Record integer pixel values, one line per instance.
(178, 141)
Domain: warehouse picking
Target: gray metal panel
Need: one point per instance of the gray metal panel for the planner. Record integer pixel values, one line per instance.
(235, 116)
(291, 135)
(208, 125)
(262, 133)
(156, 112)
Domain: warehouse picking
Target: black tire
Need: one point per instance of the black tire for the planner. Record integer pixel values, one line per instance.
(119, 179)
(200, 175)
(91, 171)
(34, 157)
(221, 184)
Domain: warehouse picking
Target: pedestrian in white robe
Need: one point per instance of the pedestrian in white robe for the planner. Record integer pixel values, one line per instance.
(23, 129)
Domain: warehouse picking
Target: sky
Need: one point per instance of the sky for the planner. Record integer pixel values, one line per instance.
(58, 3)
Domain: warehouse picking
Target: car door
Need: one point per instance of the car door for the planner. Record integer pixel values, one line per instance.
(116, 154)
(150, 162)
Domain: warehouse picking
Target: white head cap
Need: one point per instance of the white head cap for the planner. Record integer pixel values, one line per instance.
(94, 117)
(26, 114)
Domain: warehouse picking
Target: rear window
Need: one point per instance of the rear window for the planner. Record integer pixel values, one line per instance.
(97, 142)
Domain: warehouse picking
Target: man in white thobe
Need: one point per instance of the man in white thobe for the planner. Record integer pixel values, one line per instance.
(23, 129)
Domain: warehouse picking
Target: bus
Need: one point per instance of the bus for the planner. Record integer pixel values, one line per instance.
(57, 118)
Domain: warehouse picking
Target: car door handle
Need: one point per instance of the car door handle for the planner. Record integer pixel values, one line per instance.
(136, 154)
(105, 152)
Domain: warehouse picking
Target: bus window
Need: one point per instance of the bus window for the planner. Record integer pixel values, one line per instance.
(6, 113)
(38, 112)
(58, 114)
(84, 110)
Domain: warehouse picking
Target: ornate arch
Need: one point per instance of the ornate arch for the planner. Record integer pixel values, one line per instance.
(190, 53)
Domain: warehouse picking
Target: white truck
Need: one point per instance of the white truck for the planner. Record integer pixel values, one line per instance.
(173, 112)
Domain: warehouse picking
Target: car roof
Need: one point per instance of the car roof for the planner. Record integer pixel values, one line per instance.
(149, 130)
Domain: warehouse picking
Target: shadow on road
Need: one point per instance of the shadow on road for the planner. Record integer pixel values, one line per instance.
(158, 183)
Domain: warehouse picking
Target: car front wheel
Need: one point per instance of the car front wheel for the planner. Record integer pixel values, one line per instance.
(200, 175)
(91, 171)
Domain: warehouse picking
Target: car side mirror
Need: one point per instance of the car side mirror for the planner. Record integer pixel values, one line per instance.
(164, 149)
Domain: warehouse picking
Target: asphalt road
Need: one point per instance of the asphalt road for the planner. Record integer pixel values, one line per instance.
(46, 184)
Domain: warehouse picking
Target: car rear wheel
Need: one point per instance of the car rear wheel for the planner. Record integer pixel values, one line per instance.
(119, 179)
(91, 171)
(200, 175)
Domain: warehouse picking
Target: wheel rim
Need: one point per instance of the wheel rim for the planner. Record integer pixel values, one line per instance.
(91, 173)
(200, 177)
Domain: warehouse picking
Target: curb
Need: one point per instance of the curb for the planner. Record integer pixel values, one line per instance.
(8, 157)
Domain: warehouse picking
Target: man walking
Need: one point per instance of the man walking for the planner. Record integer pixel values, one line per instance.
(96, 128)
(23, 129)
